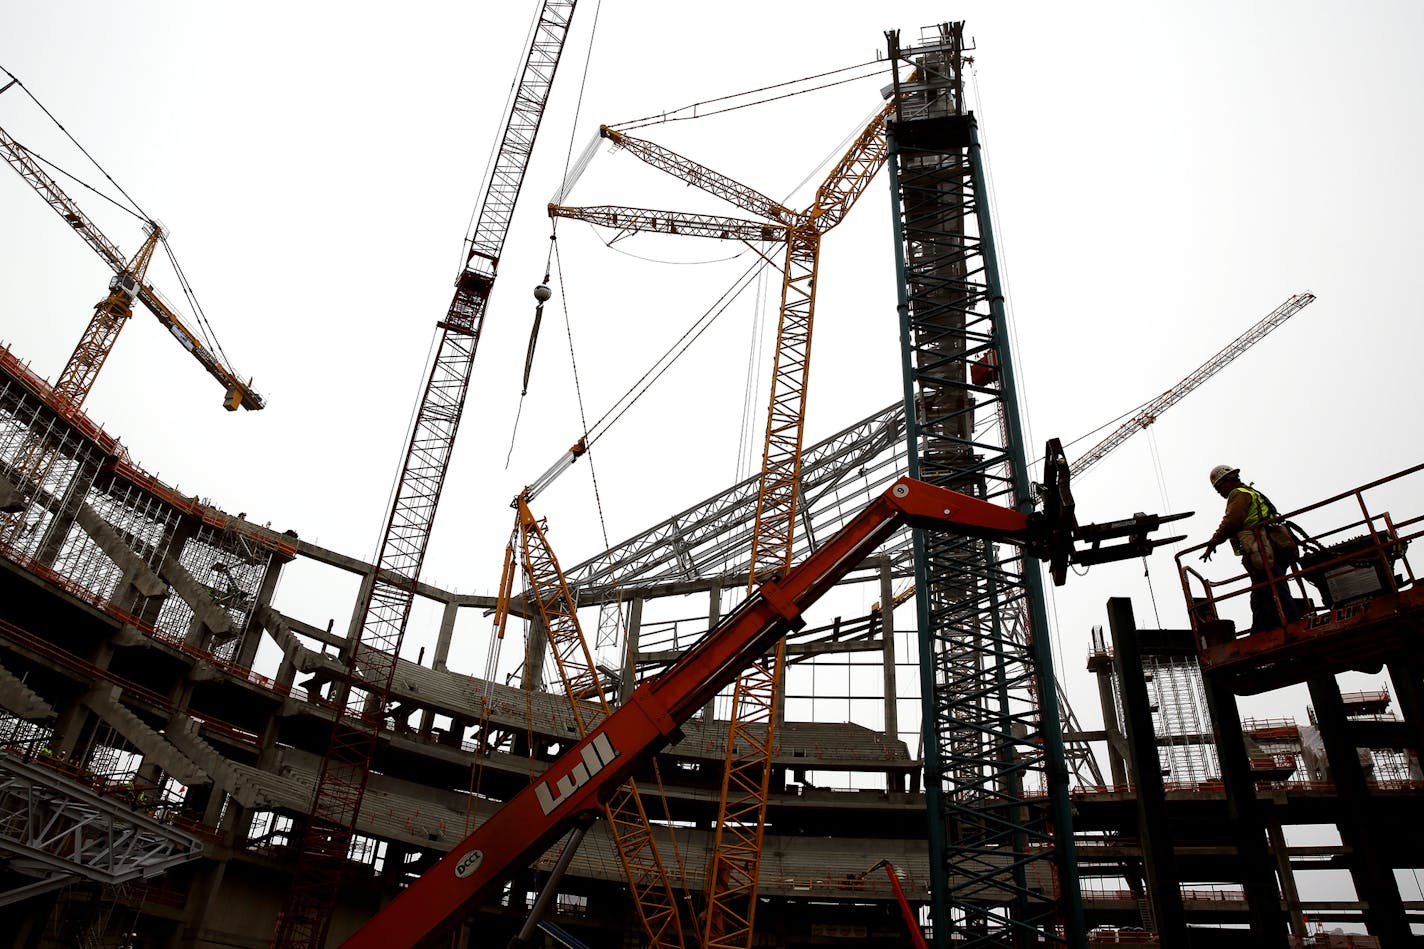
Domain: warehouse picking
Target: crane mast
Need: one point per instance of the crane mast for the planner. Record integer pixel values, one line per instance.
(37, 454)
(238, 393)
(1148, 414)
(385, 606)
(736, 852)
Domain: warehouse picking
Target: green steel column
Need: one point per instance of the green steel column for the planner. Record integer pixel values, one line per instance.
(934, 803)
(1059, 803)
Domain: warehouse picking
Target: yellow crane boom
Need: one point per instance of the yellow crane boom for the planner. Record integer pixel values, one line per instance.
(239, 394)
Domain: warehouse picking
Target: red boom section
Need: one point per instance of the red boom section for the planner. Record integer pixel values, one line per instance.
(585, 775)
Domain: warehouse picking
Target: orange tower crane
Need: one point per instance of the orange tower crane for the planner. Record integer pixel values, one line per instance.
(626, 819)
(736, 860)
(103, 330)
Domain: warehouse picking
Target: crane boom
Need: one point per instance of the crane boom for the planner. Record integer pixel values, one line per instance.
(580, 779)
(1149, 412)
(736, 856)
(683, 223)
(385, 604)
(700, 176)
(239, 393)
(626, 819)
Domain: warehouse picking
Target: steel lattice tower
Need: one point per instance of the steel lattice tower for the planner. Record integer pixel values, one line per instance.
(1003, 870)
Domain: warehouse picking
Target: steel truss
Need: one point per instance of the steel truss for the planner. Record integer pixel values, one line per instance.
(1003, 871)
(59, 831)
(838, 477)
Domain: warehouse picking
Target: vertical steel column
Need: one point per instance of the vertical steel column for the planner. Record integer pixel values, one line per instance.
(1003, 867)
(1370, 871)
(1164, 884)
(1263, 896)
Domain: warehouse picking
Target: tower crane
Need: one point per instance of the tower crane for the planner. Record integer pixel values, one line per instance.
(103, 330)
(385, 604)
(1149, 412)
(736, 852)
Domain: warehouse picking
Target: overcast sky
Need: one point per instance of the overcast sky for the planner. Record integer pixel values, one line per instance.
(1163, 176)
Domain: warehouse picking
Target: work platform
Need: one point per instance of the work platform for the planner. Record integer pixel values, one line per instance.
(1362, 603)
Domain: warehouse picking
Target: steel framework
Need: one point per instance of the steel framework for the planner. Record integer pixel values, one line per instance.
(385, 606)
(64, 831)
(1003, 871)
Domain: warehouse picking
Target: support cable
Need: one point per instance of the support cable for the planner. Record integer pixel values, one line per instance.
(142, 213)
(673, 116)
(79, 181)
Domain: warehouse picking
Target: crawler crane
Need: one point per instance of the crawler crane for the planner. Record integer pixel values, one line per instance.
(624, 813)
(732, 877)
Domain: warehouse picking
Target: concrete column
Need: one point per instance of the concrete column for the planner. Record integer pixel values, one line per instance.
(443, 639)
(1164, 884)
(1406, 674)
(252, 633)
(714, 616)
(358, 616)
(201, 893)
(1101, 666)
(887, 663)
(630, 668)
(438, 659)
(536, 652)
(1374, 880)
(74, 728)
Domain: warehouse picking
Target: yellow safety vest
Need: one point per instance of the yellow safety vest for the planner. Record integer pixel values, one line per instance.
(1260, 511)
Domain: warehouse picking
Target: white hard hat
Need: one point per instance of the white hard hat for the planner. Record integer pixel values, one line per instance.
(1221, 472)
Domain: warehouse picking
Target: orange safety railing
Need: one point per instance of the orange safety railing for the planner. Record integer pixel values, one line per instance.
(1381, 545)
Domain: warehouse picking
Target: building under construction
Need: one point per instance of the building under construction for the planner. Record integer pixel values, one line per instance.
(160, 791)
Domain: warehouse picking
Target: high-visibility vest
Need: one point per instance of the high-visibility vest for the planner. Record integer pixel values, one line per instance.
(1260, 512)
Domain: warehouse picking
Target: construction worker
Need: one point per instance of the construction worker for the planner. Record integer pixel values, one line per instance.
(1265, 547)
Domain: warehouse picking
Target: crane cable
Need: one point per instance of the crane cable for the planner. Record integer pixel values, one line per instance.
(140, 211)
(665, 117)
(204, 327)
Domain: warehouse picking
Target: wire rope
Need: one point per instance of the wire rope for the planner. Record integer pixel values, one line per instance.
(656, 260)
(679, 348)
(205, 329)
(672, 116)
(79, 181)
(60, 125)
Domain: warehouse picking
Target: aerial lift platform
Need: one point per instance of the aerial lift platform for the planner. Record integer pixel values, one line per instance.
(1362, 602)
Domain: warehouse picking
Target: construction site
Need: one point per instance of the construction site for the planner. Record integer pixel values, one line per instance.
(837, 699)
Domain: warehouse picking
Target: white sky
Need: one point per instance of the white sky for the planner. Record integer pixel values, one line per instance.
(1163, 177)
